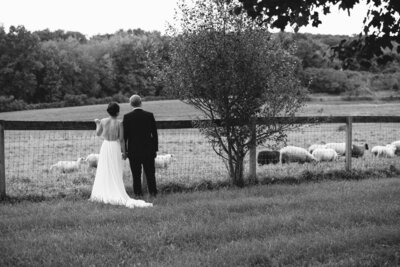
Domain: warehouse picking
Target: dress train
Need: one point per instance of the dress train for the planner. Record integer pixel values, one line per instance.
(108, 186)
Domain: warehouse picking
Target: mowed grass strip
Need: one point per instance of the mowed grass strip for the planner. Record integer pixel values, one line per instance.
(332, 223)
(177, 110)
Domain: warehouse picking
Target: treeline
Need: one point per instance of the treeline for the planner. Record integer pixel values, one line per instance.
(56, 68)
(66, 68)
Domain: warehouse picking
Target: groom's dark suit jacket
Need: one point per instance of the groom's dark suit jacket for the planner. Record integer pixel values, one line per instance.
(140, 133)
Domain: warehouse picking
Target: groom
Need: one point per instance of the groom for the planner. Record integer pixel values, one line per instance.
(141, 139)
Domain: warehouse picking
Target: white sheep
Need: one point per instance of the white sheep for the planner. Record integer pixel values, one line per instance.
(92, 160)
(67, 166)
(357, 151)
(397, 145)
(163, 161)
(315, 146)
(340, 148)
(295, 154)
(384, 151)
(325, 154)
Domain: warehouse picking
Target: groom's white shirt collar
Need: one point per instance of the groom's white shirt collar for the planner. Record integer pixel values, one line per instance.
(136, 108)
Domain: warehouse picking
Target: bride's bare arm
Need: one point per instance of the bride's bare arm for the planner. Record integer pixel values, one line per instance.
(121, 138)
(99, 127)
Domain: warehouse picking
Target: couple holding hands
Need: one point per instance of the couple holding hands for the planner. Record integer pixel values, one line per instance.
(136, 138)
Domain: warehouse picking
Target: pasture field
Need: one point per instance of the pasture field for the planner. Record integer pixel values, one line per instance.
(177, 110)
(334, 223)
(48, 221)
(29, 155)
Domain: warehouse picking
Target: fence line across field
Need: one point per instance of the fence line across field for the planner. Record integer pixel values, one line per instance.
(22, 141)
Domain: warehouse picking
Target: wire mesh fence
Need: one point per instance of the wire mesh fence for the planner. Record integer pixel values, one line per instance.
(29, 155)
(372, 134)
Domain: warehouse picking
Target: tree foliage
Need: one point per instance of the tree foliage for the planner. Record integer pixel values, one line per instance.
(381, 23)
(19, 61)
(47, 35)
(46, 69)
(45, 66)
(233, 71)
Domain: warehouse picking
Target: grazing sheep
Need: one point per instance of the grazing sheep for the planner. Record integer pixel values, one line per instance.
(340, 148)
(315, 146)
(325, 154)
(384, 151)
(295, 154)
(397, 145)
(268, 157)
(358, 151)
(92, 160)
(67, 166)
(163, 161)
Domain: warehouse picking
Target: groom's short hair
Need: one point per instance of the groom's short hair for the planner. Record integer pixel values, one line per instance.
(135, 101)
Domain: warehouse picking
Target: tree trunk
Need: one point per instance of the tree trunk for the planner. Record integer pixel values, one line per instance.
(236, 171)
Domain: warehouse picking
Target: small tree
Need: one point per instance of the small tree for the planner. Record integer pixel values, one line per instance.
(231, 69)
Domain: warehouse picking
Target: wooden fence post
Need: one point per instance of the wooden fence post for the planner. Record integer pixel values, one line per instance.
(253, 154)
(349, 121)
(2, 163)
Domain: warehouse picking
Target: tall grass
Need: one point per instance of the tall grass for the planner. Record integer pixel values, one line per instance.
(334, 223)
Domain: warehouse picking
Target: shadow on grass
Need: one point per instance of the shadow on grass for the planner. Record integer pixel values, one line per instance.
(207, 185)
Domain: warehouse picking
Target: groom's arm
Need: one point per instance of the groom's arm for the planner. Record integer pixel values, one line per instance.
(154, 133)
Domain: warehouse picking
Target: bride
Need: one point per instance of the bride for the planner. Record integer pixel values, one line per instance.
(108, 186)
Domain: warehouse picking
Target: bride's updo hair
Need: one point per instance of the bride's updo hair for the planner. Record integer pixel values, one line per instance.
(113, 109)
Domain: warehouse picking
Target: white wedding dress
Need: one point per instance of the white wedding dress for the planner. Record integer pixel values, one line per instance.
(108, 186)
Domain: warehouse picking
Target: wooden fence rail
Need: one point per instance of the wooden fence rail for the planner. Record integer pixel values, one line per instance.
(186, 124)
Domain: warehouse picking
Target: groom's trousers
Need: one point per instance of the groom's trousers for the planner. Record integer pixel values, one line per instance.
(136, 164)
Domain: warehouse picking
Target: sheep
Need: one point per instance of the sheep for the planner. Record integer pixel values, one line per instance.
(268, 157)
(397, 145)
(315, 146)
(92, 160)
(67, 166)
(163, 161)
(358, 151)
(340, 148)
(325, 154)
(295, 154)
(384, 151)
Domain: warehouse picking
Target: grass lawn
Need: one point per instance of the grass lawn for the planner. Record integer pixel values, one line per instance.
(330, 223)
(177, 110)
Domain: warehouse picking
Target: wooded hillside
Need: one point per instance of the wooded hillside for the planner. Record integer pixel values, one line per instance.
(53, 69)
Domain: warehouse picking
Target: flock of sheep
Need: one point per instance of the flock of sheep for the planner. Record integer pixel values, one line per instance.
(91, 161)
(324, 152)
(315, 153)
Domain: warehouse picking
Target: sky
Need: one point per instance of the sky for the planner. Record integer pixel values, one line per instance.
(92, 17)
